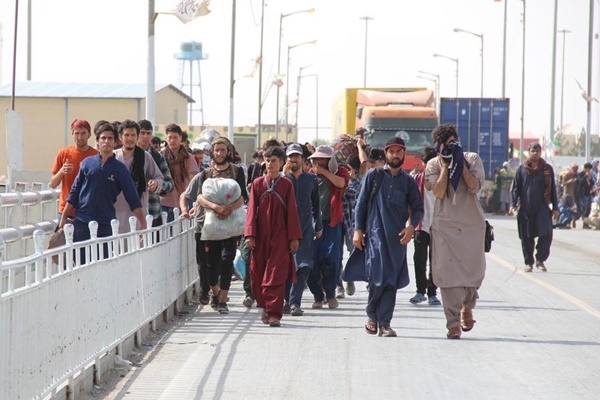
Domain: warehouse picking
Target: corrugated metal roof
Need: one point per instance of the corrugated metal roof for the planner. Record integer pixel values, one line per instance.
(84, 90)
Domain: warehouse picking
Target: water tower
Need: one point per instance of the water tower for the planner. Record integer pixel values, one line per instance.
(191, 52)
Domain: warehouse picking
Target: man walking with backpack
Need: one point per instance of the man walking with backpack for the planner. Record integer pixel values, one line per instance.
(386, 200)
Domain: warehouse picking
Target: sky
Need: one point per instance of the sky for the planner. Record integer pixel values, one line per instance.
(91, 41)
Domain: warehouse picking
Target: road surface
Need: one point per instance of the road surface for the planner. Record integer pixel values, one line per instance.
(537, 336)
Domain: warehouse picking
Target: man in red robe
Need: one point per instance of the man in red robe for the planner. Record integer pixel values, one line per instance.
(272, 234)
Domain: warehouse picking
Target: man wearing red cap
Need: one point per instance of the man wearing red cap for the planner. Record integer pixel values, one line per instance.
(67, 162)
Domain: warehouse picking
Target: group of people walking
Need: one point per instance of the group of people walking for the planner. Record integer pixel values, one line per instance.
(301, 206)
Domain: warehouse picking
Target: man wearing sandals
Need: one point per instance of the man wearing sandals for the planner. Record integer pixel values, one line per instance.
(386, 200)
(457, 228)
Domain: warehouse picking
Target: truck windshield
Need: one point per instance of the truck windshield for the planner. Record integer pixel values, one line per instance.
(415, 140)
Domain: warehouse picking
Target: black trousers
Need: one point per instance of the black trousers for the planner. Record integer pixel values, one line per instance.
(219, 260)
(421, 255)
(542, 248)
(202, 267)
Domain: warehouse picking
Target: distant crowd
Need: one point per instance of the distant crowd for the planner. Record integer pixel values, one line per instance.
(289, 214)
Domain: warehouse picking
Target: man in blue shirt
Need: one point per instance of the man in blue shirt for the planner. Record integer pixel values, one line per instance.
(100, 180)
(309, 211)
(381, 235)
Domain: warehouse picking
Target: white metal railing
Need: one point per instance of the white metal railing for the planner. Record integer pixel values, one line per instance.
(57, 317)
(22, 213)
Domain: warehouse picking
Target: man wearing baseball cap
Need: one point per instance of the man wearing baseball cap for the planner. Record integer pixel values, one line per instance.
(309, 211)
(381, 235)
(332, 182)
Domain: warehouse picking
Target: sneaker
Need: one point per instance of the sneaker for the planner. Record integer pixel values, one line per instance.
(248, 301)
(350, 289)
(434, 301)
(540, 265)
(204, 299)
(222, 308)
(296, 311)
(333, 303)
(387, 331)
(286, 308)
(417, 298)
(339, 292)
(215, 302)
(528, 268)
(317, 304)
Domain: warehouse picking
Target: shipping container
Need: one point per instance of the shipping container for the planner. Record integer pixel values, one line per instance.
(482, 125)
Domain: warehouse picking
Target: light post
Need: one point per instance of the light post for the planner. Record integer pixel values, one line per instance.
(436, 80)
(298, 92)
(522, 138)
(281, 17)
(287, 81)
(562, 78)
(316, 76)
(366, 19)
(456, 62)
(480, 36)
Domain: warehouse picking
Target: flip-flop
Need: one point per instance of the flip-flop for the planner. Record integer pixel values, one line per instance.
(371, 327)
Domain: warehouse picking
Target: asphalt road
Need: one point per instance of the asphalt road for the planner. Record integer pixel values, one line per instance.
(537, 336)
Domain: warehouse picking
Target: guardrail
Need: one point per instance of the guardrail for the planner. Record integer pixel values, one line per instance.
(21, 214)
(60, 319)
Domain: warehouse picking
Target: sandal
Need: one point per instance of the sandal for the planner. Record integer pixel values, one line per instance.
(466, 320)
(453, 333)
(371, 327)
(264, 318)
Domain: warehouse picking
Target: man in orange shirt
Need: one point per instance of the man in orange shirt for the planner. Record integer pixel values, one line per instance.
(66, 165)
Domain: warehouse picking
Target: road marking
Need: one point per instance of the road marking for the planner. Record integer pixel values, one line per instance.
(572, 299)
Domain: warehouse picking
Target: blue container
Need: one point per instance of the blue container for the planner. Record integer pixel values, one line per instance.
(482, 126)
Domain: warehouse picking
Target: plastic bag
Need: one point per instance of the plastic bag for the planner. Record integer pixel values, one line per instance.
(238, 265)
(223, 192)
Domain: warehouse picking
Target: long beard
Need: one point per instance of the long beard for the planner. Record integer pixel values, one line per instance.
(397, 164)
(221, 162)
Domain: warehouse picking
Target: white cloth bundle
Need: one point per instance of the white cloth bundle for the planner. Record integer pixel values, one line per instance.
(224, 192)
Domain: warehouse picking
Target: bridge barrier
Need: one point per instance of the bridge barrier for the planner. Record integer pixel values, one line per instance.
(60, 322)
(23, 212)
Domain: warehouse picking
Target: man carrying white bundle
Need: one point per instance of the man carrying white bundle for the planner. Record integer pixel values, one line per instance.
(216, 265)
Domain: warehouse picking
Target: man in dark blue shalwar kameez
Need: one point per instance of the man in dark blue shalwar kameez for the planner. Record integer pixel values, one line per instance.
(381, 236)
(533, 193)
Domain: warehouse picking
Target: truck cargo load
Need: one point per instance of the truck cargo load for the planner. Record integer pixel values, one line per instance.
(408, 113)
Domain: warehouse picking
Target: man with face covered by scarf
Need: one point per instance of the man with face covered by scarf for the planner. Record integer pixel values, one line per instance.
(457, 228)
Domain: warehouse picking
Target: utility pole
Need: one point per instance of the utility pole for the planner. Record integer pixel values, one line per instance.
(366, 19)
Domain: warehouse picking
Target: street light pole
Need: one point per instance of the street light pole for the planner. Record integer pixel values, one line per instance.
(437, 87)
(588, 130)
(480, 36)
(287, 83)
(456, 62)
(260, 70)
(231, 71)
(281, 17)
(553, 87)
(562, 79)
(504, 52)
(298, 92)
(522, 138)
(366, 19)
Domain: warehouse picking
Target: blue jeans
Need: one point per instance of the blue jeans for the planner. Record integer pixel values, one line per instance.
(295, 290)
(169, 211)
(82, 233)
(327, 256)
